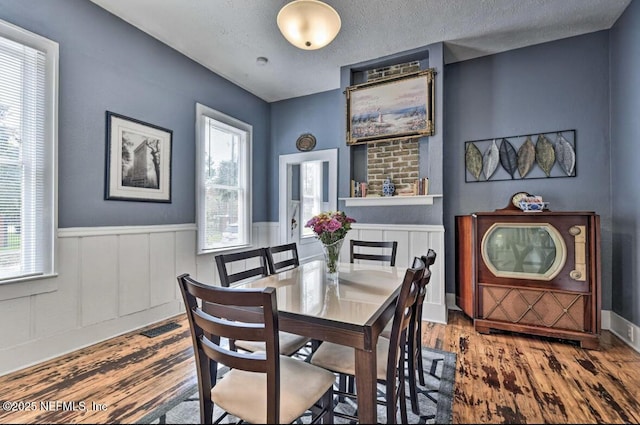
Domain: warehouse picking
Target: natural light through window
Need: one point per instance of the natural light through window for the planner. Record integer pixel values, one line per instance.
(223, 158)
(311, 177)
(28, 99)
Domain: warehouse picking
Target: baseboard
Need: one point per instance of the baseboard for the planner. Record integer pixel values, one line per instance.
(628, 332)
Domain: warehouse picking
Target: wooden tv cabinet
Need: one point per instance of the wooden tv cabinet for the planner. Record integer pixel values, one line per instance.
(531, 272)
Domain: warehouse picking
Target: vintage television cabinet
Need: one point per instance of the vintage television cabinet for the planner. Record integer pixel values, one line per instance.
(531, 272)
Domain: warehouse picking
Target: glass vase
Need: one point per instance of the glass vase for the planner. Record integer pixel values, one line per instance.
(332, 258)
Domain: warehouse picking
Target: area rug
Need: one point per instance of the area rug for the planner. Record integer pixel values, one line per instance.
(434, 398)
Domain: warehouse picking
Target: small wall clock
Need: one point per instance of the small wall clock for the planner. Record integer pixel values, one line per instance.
(306, 142)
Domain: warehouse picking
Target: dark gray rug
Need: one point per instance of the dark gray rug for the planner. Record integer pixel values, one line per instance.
(435, 398)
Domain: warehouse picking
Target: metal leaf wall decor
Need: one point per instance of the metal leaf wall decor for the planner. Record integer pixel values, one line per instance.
(517, 157)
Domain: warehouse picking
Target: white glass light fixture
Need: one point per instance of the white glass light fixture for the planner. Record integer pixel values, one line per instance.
(308, 24)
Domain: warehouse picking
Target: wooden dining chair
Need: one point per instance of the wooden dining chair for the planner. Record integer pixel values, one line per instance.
(390, 352)
(282, 257)
(414, 339)
(262, 387)
(357, 254)
(289, 343)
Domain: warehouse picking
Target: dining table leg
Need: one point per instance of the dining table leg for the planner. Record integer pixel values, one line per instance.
(366, 386)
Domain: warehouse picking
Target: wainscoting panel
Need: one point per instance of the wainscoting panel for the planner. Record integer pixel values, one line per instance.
(98, 279)
(133, 281)
(162, 264)
(57, 311)
(413, 241)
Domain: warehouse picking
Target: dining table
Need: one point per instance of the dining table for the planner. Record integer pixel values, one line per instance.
(351, 310)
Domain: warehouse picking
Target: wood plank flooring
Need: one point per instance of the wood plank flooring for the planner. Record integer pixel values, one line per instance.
(500, 378)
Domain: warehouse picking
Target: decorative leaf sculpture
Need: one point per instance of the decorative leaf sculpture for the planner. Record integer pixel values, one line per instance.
(473, 160)
(545, 154)
(565, 155)
(526, 157)
(508, 157)
(490, 160)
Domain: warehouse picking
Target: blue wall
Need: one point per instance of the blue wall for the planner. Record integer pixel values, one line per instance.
(320, 114)
(553, 86)
(625, 156)
(107, 64)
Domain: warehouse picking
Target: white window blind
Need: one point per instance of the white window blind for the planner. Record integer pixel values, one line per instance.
(27, 154)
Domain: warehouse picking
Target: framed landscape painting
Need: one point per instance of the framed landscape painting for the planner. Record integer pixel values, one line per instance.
(389, 109)
(138, 160)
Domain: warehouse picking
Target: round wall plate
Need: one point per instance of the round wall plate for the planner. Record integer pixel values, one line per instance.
(306, 142)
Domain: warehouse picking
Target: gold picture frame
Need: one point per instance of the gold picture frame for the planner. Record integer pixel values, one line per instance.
(393, 108)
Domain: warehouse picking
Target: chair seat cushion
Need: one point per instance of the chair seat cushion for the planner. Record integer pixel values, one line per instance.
(386, 332)
(244, 394)
(342, 359)
(289, 344)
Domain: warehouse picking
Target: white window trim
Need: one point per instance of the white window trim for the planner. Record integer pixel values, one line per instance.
(51, 49)
(205, 111)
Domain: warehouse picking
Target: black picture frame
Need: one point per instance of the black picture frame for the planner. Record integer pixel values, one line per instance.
(138, 160)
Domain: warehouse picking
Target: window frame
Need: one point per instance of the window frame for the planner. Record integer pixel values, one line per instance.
(50, 128)
(245, 177)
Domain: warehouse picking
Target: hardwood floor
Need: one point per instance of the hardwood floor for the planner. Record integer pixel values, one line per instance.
(500, 378)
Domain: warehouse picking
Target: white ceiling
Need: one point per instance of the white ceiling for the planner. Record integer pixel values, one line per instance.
(227, 36)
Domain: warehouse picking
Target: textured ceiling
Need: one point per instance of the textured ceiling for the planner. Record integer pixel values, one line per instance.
(227, 36)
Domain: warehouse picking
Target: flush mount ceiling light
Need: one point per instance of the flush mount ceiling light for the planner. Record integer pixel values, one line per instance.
(308, 24)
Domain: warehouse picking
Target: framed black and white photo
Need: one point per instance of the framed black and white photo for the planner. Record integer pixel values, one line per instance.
(138, 160)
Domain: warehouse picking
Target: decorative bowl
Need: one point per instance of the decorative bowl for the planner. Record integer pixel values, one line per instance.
(528, 206)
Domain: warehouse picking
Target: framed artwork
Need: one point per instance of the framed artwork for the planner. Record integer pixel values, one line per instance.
(138, 160)
(394, 108)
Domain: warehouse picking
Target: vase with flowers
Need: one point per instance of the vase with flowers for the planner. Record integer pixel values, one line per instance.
(331, 228)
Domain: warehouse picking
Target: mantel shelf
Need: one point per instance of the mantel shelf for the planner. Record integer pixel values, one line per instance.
(372, 201)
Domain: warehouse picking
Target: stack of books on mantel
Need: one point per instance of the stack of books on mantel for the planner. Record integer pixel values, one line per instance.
(421, 186)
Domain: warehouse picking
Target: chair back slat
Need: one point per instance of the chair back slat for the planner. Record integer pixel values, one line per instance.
(276, 253)
(252, 362)
(226, 262)
(230, 329)
(385, 255)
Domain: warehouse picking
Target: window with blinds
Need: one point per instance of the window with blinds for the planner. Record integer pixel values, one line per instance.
(28, 69)
(223, 158)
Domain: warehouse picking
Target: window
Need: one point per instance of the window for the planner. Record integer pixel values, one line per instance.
(312, 185)
(223, 196)
(28, 148)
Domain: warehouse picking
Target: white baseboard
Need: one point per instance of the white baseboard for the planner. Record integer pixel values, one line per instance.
(628, 332)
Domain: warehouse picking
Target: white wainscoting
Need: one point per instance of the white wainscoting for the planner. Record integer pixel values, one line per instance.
(111, 280)
(413, 241)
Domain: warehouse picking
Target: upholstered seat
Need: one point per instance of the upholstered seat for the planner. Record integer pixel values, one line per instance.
(244, 394)
(289, 343)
